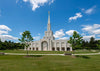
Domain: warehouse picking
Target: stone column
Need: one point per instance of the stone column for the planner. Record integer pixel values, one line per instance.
(31, 46)
(35, 46)
(60, 46)
(39, 46)
(50, 45)
(70, 48)
(55, 46)
(49, 49)
(28, 48)
(65, 46)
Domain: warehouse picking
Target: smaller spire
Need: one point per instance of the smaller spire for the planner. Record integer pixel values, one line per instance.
(49, 26)
(48, 17)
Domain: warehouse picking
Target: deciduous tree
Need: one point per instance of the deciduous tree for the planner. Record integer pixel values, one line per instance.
(26, 38)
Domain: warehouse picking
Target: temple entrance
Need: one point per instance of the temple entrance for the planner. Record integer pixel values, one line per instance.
(44, 46)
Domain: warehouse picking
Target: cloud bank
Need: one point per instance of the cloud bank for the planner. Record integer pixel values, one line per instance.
(77, 15)
(90, 10)
(70, 32)
(37, 3)
(4, 33)
(59, 33)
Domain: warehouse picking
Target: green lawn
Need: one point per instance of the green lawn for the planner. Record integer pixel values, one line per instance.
(49, 52)
(49, 63)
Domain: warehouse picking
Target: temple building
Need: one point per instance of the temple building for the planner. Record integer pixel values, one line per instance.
(48, 43)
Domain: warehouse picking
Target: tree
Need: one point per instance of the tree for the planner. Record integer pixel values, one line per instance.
(76, 40)
(83, 44)
(26, 38)
(98, 44)
(92, 43)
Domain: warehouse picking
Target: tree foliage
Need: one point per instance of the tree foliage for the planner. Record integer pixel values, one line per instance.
(75, 40)
(26, 38)
(8, 45)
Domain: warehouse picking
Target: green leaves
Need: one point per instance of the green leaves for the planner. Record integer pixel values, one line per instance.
(26, 37)
(75, 40)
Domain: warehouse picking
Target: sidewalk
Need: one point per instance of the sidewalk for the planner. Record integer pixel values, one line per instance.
(51, 54)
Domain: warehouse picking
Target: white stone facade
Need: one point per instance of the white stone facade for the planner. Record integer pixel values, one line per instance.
(48, 43)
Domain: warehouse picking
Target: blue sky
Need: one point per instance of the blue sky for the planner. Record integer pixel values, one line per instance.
(67, 16)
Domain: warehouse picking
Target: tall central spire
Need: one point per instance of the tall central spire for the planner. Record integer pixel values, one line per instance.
(49, 26)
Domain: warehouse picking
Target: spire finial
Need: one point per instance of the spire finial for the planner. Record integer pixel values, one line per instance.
(49, 12)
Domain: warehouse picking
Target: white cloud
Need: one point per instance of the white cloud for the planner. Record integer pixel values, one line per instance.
(96, 31)
(83, 34)
(90, 10)
(38, 33)
(92, 29)
(63, 38)
(77, 15)
(25, 0)
(70, 32)
(59, 34)
(4, 30)
(17, 1)
(37, 3)
(4, 27)
(88, 37)
(21, 33)
(36, 38)
(7, 37)
(82, 9)
(51, 2)
(87, 28)
(96, 26)
(98, 35)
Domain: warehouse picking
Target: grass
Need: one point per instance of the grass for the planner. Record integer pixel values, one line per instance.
(49, 63)
(49, 52)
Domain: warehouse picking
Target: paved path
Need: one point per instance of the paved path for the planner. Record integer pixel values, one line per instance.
(31, 54)
(88, 54)
(52, 54)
